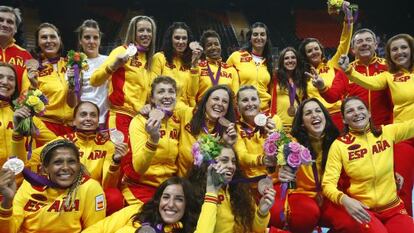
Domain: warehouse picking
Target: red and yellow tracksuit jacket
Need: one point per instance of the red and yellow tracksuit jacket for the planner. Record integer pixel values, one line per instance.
(249, 148)
(252, 74)
(117, 221)
(379, 102)
(179, 73)
(228, 76)
(41, 209)
(401, 86)
(153, 163)
(96, 155)
(368, 162)
(305, 180)
(129, 86)
(6, 131)
(327, 70)
(17, 56)
(217, 216)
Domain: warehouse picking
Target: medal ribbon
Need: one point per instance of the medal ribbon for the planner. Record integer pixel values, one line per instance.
(292, 93)
(215, 80)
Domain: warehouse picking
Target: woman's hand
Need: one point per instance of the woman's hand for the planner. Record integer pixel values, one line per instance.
(20, 114)
(32, 74)
(286, 174)
(145, 110)
(270, 126)
(210, 187)
(317, 81)
(152, 126)
(267, 201)
(344, 62)
(7, 187)
(356, 209)
(119, 62)
(121, 150)
(230, 135)
(195, 57)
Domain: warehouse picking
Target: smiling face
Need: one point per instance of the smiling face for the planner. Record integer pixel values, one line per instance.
(313, 119)
(212, 48)
(217, 104)
(356, 114)
(86, 117)
(364, 46)
(7, 25)
(179, 40)
(289, 61)
(172, 204)
(7, 81)
(248, 103)
(144, 33)
(63, 167)
(258, 38)
(313, 53)
(90, 41)
(164, 96)
(227, 159)
(400, 53)
(49, 42)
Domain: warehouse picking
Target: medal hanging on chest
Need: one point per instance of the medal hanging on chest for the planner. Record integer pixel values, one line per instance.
(292, 94)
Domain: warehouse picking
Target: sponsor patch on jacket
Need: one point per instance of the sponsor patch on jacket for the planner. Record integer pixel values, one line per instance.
(99, 202)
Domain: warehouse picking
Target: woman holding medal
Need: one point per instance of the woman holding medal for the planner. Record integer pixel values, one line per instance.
(365, 154)
(254, 62)
(66, 201)
(174, 60)
(228, 205)
(312, 53)
(306, 207)
(100, 156)
(400, 60)
(49, 76)
(289, 87)
(213, 71)
(214, 115)
(173, 208)
(128, 71)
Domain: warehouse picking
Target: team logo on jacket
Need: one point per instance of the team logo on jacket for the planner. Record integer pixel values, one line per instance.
(400, 77)
(347, 139)
(99, 202)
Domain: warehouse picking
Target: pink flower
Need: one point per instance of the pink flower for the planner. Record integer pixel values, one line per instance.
(295, 147)
(274, 137)
(293, 160)
(198, 157)
(270, 148)
(305, 155)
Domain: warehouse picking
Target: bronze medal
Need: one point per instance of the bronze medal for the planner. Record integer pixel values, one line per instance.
(291, 111)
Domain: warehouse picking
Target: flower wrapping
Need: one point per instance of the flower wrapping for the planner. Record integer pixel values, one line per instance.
(36, 101)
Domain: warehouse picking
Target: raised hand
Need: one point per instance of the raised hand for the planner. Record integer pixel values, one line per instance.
(20, 114)
(270, 126)
(317, 81)
(152, 126)
(267, 201)
(344, 62)
(7, 187)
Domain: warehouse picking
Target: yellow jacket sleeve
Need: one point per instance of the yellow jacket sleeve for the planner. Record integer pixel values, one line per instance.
(208, 216)
(143, 149)
(375, 82)
(332, 173)
(90, 213)
(193, 85)
(402, 131)
(101, 74)
(247, 158)
(114, 222)
(110, 173)
(11, 219)
(158, 63)
(235, 85)
(344, 43)
(260, 222)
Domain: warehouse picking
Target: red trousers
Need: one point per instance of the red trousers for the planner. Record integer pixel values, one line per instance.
(393, 220)
(114, 200)
(404, 165)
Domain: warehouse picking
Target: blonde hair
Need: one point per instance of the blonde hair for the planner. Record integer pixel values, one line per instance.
(132, 33)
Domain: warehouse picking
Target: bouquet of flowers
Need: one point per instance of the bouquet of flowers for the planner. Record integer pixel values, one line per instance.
(77, 61)
(287, 152)
(350, 10)
(206, 149)
(36, 101)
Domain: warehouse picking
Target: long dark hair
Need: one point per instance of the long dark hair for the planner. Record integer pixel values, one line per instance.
(298, 76)
(300, 133)
(304, 57)
(149, 212)
(199, 116)
(375, 131)
(410, 41)
(241, 200)
(168, 49)
(267, 51)
(37, 51)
